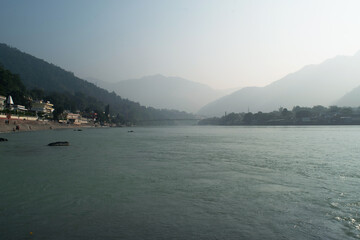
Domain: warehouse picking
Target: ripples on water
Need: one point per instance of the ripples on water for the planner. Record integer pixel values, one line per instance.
(182, 183)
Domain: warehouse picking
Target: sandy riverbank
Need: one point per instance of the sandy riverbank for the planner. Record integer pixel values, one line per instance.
(25, 125)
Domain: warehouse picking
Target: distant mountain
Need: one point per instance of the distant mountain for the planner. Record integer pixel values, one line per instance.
(321, 84)
(164, 92)
(37, 73)
(351, 99)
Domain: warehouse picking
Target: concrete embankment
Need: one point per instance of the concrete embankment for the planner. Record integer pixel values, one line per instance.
(27, 125)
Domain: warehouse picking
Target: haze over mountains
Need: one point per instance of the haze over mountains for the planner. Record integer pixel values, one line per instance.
(322, 84)
(39, 74)
(334, 82)
(351, 99)
(164, 92)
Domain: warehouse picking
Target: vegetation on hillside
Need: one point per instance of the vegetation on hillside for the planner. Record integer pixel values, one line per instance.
(10, 84)
(70, 92)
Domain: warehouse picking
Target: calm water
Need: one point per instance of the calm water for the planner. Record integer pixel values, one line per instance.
(182, 183)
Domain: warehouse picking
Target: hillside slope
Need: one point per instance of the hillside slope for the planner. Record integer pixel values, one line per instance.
(164, 92)
(351, 99)
(321, 84)
(37, 73)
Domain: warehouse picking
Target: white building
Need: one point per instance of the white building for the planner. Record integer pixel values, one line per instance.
(20, 108)
(75, 118)
(42, 107)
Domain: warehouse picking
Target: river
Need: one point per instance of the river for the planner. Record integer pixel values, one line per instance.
(195, 182)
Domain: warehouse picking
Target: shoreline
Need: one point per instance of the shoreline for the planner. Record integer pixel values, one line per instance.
(28, 125)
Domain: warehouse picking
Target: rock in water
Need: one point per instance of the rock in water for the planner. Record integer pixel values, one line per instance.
(3, 140)
(59, 144)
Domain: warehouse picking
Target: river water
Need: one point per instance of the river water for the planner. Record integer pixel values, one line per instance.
(182, 183)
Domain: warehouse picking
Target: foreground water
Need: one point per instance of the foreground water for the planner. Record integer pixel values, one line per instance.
(182, 183)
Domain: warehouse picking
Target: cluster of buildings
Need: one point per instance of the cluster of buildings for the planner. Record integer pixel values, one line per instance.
(74, 118)
(45, 108)
(40, 108)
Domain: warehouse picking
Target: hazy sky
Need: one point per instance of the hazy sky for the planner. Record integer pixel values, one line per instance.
(225, 44)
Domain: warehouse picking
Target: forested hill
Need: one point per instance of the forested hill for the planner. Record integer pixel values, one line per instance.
(37, 73)
(10, 84)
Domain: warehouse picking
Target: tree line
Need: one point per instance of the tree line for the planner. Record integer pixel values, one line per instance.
(317, 115)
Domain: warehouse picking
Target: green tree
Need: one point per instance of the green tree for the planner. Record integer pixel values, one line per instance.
(302, 114)
(248, 117)
(10, 84)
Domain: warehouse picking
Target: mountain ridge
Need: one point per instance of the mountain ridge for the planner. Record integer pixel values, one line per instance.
(37, 73)
(165, 92)
(315, 84)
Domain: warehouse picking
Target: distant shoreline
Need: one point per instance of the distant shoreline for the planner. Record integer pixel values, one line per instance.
(281, 125)
(26, 126)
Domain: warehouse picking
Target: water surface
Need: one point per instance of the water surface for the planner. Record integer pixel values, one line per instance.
(182, 183)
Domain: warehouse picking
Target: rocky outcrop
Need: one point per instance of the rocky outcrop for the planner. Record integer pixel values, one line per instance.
(59, 144)
(3, 140)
